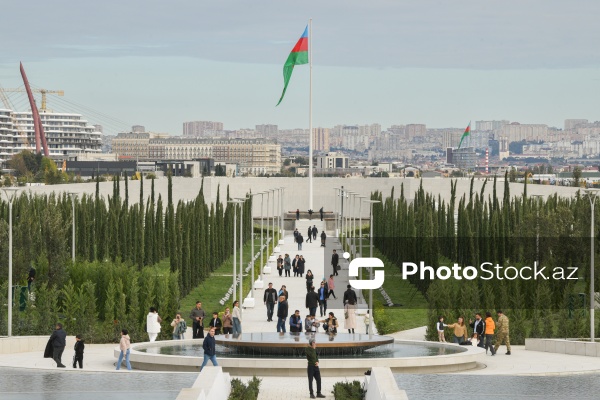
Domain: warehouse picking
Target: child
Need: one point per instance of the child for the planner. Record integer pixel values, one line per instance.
(367, 321)
(78, 357)
(440, 329)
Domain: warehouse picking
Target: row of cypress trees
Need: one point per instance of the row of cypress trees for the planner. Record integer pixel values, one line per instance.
(509, 231)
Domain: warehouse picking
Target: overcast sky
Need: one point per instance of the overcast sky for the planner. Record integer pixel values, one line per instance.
(443, 63)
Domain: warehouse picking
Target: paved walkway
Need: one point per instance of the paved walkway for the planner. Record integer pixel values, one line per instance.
(318, 260)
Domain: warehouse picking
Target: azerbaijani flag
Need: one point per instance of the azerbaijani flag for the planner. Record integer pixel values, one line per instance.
(467, 133)
(298, 56)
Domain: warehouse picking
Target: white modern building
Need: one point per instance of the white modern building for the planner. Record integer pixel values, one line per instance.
(67, 134)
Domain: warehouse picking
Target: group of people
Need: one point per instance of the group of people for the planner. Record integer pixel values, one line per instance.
(315, 298)
(231, 323)
(287, 265)
(310, 213)
(311, 235)
(56, 347)
(482, 330)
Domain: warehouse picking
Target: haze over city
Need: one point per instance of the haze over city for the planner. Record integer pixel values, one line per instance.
(438, 63)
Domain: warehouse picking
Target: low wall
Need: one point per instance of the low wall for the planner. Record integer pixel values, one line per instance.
(26, 344)
(381, 385)
(212, 384)
(564, 346)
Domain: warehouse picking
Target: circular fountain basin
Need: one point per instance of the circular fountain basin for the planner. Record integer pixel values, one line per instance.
(262, 344)
(402, 356)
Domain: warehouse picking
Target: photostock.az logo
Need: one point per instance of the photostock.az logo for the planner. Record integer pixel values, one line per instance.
(366, 262)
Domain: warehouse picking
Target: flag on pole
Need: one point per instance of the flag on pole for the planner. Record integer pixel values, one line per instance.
(298, 56)
(467, 133)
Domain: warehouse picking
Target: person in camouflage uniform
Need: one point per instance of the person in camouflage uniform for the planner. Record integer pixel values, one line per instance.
(502, 331)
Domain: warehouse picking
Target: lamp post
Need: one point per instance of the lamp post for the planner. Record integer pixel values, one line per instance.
(262, 245)
(371, 202)
(73, 197)
(10, 195)
(235, 204)
(282, 213)
(268, 193)
(242, 201)
(592, 196)
(342, 211)
(252, 240)
(360, 201)
(273, 216)
(335, 211)
(350, 218)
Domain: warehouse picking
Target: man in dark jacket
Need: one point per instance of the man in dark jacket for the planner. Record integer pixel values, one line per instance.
(314, 232)
(478, 327)
(282, 313)
(335, 260)
(216, 323)
(350, 296)
(79, 347)
(322, 293)
(321, 212)
(312, 301)
(300, 240)
(210, 351)
(309, 239)
(312, 369)
(197, 315)
(270, 298)
(59, 341)
(296, 322)
(323, 238)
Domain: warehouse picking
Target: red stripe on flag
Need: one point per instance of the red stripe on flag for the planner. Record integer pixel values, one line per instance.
(302, 45)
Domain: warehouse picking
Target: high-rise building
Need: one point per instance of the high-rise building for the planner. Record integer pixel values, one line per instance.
(321, 139)
(202, 128)
(463, 158)
(516, 132)
(67, 134)
(332, 160)
(267, 131)
(415, 130)
(490, 125)
(571, 124)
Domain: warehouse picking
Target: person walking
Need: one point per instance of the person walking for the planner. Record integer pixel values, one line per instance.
(299, 240)
(460, 331)
(295, 265)
(331, 286)
(287, 265)
(322, 293)
(301, 264)
(280, 265)
(210, 349)
(125, 347)
(321, 213)
(296, 322)
(312, 301)
(179, 327)
(312, 368)
(227, 321)
(79, 348)
(367, 322)
(296, 233)
(197, 315)
(297, 214)
(502, 337)
(335, 260)
(237, 318)
(153, 321)
(58, 341)
(323, 238)
(270, 298)
(282, 314)
(309, 239)
(283, 292)
(215, 323)
(350, 301)
(490, 326)
(314, 232)
(478, 327)
(309, 280)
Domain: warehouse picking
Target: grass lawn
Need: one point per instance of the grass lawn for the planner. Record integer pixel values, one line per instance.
(214, 288)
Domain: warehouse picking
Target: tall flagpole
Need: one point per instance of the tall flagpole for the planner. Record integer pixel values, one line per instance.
(310, 128)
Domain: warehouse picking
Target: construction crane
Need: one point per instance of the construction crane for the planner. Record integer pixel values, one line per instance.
(44, 92)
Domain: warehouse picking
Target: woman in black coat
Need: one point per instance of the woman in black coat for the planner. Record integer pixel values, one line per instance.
(300, 264)
(309, 280)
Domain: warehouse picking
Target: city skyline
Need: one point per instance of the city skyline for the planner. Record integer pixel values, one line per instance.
(437, 64)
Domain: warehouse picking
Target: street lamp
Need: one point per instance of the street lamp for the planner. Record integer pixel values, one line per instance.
(342, 211)
(252, 239)
(235, 204)
(335, 212)
(592, 196)
(348, 239)
(10, 195)
(371, 202)
(282, 237)
(242, 201)
(73, 198)
(273, 216)
(262, 245)
(360, 238)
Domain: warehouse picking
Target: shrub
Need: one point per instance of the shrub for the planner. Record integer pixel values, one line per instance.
(349, 390)
(241, 391)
